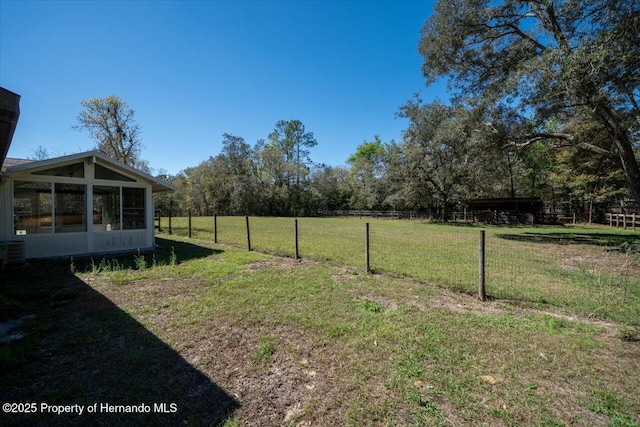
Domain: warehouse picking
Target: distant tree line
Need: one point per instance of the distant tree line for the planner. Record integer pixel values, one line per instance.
(447, 154)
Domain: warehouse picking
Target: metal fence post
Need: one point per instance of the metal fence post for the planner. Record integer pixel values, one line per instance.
(189, 223)
(215, 229)
(248, 234)
(366, 248)
(481, 264)
(295, 238)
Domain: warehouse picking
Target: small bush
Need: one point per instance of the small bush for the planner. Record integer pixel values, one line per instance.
(173, 259)
(632, 249)
(105, 265)
(140, 261)
(264, 353)
(373, 306)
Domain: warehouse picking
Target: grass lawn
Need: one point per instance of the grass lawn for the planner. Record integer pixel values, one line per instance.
(576, 268)
(233, 338)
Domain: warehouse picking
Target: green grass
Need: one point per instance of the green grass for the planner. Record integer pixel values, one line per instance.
(264, 353)
(580, 269)
(303, 343)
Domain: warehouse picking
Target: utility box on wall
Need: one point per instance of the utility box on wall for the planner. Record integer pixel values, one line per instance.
(12, 254)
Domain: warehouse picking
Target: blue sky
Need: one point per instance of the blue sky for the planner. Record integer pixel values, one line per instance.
(195, 70)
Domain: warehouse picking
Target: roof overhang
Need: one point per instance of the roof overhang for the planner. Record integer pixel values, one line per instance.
(157, 185)
(9, 114)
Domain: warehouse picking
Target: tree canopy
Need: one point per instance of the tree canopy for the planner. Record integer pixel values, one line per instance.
(573, 61)
(110, 122)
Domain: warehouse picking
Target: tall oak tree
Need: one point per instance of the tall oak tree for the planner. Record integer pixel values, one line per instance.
(574, 61)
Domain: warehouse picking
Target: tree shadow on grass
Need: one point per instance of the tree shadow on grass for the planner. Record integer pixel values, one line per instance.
(572, 238)
(167, 252)
(184, 250)
(82, 349)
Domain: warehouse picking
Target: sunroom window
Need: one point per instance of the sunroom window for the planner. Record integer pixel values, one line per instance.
(70, 207)
(118, 208)
(105, 173)
(43, 207)
(106, 208)
(75, 170)
(133, 208)
(32, 207)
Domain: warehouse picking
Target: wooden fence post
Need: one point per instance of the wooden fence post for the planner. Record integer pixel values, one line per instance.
(248, 234)
(189, 223)
(295, 238)
(215, 228)
(481, 263)
(170, 203)
(633, 220)
(366, 248)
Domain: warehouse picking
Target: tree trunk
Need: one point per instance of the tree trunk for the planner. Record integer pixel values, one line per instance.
(629, 165)
(513, 187)
(620, 138)
(445, 210)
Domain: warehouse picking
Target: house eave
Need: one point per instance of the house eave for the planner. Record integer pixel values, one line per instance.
(157, 185)
(9, 114)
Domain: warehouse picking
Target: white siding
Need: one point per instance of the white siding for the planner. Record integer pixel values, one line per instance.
(54, 245)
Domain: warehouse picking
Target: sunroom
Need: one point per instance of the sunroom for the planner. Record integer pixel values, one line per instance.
(81, 204)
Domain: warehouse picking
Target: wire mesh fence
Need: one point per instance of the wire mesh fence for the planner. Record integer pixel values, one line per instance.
(568, 268)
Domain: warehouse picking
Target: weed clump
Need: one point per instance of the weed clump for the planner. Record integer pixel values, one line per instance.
(373, 306)
(264, 353)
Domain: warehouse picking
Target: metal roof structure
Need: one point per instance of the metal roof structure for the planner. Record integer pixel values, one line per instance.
(9, 114)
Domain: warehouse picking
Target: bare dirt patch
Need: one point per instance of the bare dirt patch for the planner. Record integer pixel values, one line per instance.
(282, 262)
(572, 257)
(283, 390)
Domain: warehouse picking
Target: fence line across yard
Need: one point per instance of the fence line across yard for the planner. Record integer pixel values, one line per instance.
(559, 266)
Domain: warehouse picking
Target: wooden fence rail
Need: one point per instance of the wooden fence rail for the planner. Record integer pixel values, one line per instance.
(368, 214)
(623, 220)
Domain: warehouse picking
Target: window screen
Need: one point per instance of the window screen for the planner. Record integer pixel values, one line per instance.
(104, 173)
(106, 208)
(32, 207)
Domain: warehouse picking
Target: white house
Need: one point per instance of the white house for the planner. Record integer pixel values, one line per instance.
(76, 205)
(80, 204)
